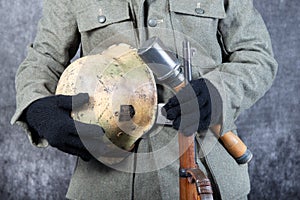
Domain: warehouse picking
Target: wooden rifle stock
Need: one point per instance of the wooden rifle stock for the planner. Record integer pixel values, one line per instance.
(187, 190)
(233, 144)
(193, 183)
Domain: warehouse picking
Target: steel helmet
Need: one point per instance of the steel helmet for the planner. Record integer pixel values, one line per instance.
(122, 90)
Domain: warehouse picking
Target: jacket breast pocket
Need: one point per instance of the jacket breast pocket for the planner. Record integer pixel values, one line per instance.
(195, 14)
(198, 21)
(103, 24)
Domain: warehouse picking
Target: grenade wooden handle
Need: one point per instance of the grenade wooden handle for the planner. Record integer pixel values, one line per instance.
(234, 145)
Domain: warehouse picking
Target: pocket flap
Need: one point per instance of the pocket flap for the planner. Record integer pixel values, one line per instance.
(201, 8)
(112, 11)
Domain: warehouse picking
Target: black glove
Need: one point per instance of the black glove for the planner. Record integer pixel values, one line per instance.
(50, 118)
(190, 108)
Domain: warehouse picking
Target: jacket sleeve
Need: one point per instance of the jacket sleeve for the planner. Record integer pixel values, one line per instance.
(250, 68)
(56, 42)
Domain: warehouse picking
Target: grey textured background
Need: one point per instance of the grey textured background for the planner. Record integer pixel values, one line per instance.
(271, 128)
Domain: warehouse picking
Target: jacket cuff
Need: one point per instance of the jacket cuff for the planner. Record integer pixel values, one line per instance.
(34, 140)
(226, 121)
(17, 119)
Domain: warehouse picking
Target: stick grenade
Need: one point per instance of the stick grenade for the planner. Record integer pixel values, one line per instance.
(166, 67)
(194, 185)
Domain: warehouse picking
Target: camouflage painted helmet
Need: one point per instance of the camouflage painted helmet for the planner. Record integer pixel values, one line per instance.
(122, 90)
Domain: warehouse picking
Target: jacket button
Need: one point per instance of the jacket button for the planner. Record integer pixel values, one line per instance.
(101, 19)
(199, 11)
(152, 22)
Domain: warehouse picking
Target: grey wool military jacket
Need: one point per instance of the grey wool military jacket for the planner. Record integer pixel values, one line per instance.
(231, 49)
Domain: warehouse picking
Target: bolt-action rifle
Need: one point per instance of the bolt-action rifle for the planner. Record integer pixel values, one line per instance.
(193, 182)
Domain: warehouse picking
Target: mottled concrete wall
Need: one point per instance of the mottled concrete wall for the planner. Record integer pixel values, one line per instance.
(270, 129)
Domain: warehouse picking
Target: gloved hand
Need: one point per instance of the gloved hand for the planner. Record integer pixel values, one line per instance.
(190, 108)
(50, 118)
